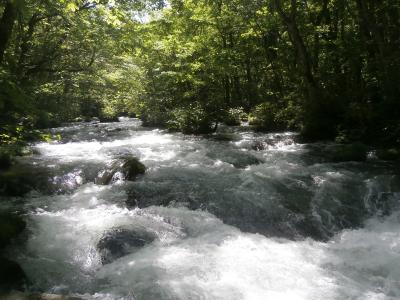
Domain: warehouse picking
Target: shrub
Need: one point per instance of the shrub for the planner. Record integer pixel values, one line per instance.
(234, 116)
(191, 120)
(267, 117)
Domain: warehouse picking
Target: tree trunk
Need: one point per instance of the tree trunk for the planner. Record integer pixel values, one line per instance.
(298, 43)
(319, 118)
(6, 26)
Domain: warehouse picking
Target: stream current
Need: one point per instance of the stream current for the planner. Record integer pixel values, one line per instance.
(235, 215)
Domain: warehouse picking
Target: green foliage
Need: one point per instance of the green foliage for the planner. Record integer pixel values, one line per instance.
(234, 116)
(267, 117)
(328, 68)
(69, 59)
(154, 115)
(191, 120)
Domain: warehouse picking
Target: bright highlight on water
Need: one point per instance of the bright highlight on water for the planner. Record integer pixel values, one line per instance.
(237, 215)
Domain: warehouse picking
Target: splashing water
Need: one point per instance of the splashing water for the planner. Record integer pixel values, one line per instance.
(246, 216)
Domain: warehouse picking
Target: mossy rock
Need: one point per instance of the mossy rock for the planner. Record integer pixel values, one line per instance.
(11, 275)
(132, 167)
(350, 152)
(11, 226)
(79, 119)
(388, 154)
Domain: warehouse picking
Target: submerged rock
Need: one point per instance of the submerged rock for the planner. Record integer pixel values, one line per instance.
(225, 137)
(10, 227)
(258, 146)
(11, 275)
(119, 242)
(239, 159)
(128, 169)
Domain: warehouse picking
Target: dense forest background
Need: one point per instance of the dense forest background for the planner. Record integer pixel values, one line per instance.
(328, 68)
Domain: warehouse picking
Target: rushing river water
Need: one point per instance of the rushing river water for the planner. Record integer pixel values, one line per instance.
(237, 215)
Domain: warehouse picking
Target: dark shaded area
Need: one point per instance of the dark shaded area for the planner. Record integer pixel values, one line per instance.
(11, 274)
(11, 226)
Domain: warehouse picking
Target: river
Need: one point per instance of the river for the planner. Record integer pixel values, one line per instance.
(237, 215)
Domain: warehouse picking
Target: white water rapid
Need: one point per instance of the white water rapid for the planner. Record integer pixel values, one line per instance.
(237, 215)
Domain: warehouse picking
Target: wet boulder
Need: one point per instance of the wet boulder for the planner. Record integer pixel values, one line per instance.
(95, 120)
(258, 146)
(11, 275)
(79, 119)
(132, 167)
(119, 242)
(126, 168)
(10, 227)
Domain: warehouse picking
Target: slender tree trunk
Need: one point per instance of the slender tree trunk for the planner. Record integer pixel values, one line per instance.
(319, 121)
(298, 43)
(6, 26)
(25, 44)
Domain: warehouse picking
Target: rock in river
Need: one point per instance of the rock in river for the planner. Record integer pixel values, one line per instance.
(127, 168)
(119, 242)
